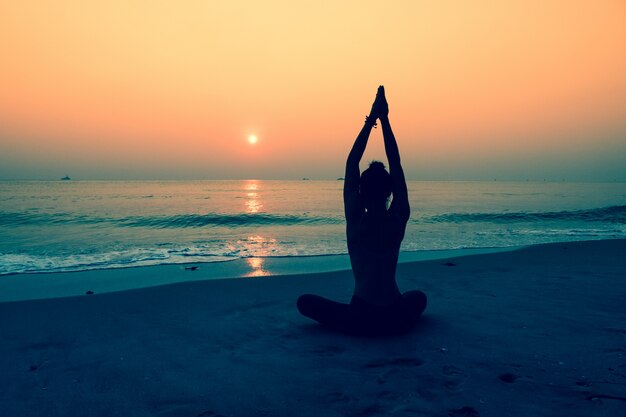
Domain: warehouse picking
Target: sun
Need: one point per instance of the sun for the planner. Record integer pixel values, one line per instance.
(252, 139)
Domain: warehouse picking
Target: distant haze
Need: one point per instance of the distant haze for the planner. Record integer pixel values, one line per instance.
(510, 90)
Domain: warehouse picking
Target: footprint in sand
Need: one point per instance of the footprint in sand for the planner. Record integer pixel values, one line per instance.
(328, 350)
(508, 377)
(453, 377)
(370, 411)
(387, 369)
(387, 396)
(209, 413)
(403, 362)
(614, 350)
(464, 412)
(600, 397)
(339, 398)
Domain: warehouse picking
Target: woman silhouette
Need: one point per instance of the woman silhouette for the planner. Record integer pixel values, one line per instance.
(374, 235)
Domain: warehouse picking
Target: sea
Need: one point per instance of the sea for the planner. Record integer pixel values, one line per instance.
(54, 226)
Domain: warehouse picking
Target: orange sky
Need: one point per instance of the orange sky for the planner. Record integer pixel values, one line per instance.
(156, 89)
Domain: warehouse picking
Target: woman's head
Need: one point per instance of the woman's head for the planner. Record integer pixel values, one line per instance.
(375, 185)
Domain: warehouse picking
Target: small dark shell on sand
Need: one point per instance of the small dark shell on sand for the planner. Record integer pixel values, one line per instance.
(508, 377)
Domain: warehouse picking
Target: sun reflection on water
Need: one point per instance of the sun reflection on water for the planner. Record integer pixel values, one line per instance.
(253, 202)
(257, 266)
(257, 247)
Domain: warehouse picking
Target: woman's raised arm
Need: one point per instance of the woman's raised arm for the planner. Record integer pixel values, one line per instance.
(353, 173)
(400, 203)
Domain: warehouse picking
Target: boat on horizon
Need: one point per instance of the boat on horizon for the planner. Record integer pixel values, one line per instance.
(65, 178)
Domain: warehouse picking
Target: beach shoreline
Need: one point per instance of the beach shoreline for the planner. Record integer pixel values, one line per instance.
(537, 331)
(33, 286)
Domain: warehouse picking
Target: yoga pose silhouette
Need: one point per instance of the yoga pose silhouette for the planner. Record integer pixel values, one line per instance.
(374, 235)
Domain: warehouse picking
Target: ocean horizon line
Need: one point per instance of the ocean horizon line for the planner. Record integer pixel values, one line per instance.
(303, 179)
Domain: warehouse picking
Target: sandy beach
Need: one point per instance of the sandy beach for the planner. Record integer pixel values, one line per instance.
(540, 331)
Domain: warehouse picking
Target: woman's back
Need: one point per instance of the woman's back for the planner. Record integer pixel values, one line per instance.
(374, 246)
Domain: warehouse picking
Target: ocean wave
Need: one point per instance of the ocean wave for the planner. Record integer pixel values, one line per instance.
(612, 214)
(26, 218)
(173, 221)
(252, 247)
(199, 220)
(14, 263)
